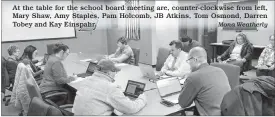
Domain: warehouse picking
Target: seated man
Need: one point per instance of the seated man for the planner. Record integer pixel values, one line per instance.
(98, 95)
(206, 85)
(124, 53)
(175, 64)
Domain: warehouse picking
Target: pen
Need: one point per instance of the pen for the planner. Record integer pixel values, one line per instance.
(149, 89)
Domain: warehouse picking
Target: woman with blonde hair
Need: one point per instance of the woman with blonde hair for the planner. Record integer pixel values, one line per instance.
(239, 53)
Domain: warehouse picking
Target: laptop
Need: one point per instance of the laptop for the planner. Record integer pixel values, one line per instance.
(90, 70)
(169, 89)
(134, 89)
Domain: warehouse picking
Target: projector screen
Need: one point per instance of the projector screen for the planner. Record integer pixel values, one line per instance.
(12, 19)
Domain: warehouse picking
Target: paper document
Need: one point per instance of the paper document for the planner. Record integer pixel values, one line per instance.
(173, 98)
(120, 64)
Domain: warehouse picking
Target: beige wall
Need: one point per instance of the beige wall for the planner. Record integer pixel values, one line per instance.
(259, 37)
(85, 42)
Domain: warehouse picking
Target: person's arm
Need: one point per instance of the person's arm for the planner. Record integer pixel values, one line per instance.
(181, 71)
(38, 73)
(225, 55)
(58, 74)
(261, 58)
(165, 65)
(121, 58)
(123, 104)
(248, 55)
(113, 55)
(188, 93)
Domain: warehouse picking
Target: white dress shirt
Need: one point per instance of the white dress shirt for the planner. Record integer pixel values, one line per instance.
(99, 96)
(180, 68)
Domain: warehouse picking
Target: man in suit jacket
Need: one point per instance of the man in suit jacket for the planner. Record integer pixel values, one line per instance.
(205, 85)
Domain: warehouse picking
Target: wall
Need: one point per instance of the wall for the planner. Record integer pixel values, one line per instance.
(117, 29)
(259, 37)
(85, 42)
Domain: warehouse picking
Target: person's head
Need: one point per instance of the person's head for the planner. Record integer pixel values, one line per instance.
(196, 57)
(241, 39)
(121, 42)
(175, 48)
(61, 51)
(30, 52)
(108, 67)
(271, 40)
(13, 51)
(185, 39)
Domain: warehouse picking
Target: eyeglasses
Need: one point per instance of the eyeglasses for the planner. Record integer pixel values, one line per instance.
(189, 59)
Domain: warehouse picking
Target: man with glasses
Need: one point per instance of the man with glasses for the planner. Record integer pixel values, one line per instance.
(205, 85)
(99, 95)
(175, 64)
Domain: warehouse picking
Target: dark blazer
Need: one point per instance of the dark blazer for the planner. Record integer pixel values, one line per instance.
(246, 52)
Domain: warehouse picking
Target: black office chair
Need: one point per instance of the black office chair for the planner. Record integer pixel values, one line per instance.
(231, 71)
(163, 54)
(34, 93)
(136, 52)
(38, 107)
(6, 85)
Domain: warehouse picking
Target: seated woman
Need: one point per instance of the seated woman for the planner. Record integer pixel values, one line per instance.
(30, 53)
(124, 53)
(266, 61)
(55, 75)
(12, 62)
(239, 52)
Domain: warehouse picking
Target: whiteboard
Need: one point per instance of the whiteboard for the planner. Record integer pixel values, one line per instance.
(11, 33)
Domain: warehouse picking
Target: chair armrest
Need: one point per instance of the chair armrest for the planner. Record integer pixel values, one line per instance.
(66, 106)
(55, 94)
(53, 90)
(191, 108)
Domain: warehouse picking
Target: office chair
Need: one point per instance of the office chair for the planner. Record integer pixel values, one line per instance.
(232, 72)
(5, 82)
(163, 54)
(39, 108)
(136, 52)
(37, 99)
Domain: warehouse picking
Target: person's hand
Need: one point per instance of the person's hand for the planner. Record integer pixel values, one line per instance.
(262, 67)
(142, 96)
(272, 67)
(160, 73)
(219, 58)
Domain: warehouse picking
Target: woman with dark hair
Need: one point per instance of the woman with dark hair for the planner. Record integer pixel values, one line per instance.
(30, 53)
(239, 53)
(55, 75)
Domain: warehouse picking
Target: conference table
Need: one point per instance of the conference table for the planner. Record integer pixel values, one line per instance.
(74, 65)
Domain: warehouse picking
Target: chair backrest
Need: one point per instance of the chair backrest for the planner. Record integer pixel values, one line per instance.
(4, 75)
(50, 49)
(33, 88)
(136, 52)
(38, 107)
(163, 54)
(232, 72)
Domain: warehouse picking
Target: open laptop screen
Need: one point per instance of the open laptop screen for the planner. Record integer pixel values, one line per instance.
(92, 67)
(134, 88)
(168, 86)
